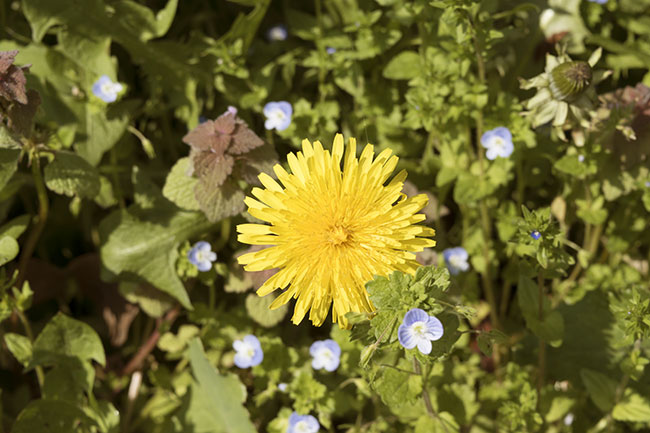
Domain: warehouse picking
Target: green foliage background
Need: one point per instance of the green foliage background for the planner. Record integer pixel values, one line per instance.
(105, 326)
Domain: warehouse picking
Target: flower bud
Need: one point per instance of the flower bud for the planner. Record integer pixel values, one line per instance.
(569, 80)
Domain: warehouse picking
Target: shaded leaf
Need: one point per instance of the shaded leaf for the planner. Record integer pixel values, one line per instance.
(258, 310)
(64, 337)
(8, 249)
(8, 164)
(71, 175)
(600, 387)
(51, 416)
(20, 347)
(179, 186)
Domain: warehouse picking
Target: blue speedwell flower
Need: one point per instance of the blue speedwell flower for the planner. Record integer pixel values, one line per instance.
(535, 234)
(302, 424)
(330, 50)
(201, 256)
(277, 33)
(326, 354)
(419, 329)
(249, 352)
(498, 142)
(278, 115)
(456, 260)
(106, 90)
(600, 2)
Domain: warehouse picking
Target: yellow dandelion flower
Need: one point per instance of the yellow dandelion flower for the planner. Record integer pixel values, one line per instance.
(332, 230)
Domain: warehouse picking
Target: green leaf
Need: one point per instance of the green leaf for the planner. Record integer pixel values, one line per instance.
(179, 186)
(20, 347)
(140, 19)
(258, 310)
(52, 416)
(153, 302)
(69, 380)
(71, 175)
(551, 327)
(173, 343)
(8, 249)
(64, 337)
(99, 134)
(404, 66)
(397, 388)
(149, 249)
(222, 202)
(8, 164)
(633, 407)
(221, 395)
(601, 388)
(15, 227)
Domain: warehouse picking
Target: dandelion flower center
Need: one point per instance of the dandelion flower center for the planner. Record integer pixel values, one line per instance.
(334, 223)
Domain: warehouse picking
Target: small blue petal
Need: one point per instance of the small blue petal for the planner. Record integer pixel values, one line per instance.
(405, 336)
(415, 315)
(535, 234)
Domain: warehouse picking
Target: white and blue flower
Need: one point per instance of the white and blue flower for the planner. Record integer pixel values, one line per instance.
(302, 424)
(249, 352)
(202, 256)
(498, 142)
(600, 2)
(456, 260)
(326, 354)
(106, 90)
(277, 33)
(418, 330)
(278, 115)
(535, 234)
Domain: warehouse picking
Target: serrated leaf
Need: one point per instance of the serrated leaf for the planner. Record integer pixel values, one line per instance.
(148, 249)
(64, 337)
(222, 396)
(404, 66)
(397, 388)
(600, 387)
(258, 310)
(179, 186)
(219, 202)
(71, 175)
(20, 347)
(633, 408)
(9, 249)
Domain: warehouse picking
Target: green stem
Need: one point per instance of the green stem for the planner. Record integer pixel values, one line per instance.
(40, 375)
(35, 233)
(425, 394)
(541, 354)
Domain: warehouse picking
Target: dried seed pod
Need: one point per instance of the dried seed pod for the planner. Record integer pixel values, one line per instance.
(569, 80)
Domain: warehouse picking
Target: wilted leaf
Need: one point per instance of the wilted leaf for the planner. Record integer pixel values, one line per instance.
(21, 116)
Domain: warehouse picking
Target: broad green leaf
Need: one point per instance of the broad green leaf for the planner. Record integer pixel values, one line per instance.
(140, 19)
(148, 249)
(633, 407)
(52, 416)
(69, 380)
(551, 327)
(397, 388)
(71, 175)
(64, 337)
(258, 310)
(8, 249)
(20, 347)
(601, 388)
(404, 66)
(179, 186)
(221, 395)
(8, 164)
(99, 133)
(219, 203)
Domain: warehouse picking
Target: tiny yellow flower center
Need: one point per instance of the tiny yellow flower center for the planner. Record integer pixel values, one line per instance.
(337, 234)
(419, 329)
